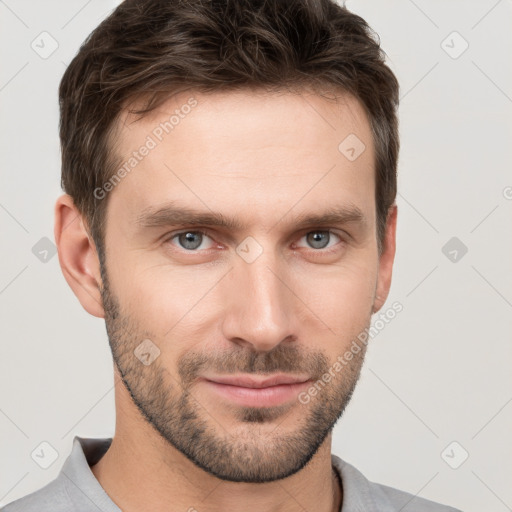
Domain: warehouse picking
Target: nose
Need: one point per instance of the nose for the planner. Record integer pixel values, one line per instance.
(259, 309)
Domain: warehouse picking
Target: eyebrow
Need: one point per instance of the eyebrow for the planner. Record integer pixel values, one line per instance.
(171, 214)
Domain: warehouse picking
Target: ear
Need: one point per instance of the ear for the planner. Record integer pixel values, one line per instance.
(78, 257)
(386, 260)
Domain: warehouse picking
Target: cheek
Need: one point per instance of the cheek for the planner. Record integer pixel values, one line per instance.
(162, 299)
(342, 299)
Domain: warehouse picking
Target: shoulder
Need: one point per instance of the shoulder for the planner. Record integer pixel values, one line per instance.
(75, 489)
(407, 502)
(53, 497)
(361, 494)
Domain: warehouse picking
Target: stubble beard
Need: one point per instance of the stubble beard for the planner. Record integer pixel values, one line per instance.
(258, 445)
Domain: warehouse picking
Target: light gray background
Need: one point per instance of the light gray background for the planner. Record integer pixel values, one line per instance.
(438, 373)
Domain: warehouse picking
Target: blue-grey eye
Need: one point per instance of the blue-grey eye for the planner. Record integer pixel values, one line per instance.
(190, 239)
(319, 239)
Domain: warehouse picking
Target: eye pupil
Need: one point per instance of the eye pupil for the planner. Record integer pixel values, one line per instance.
(187, 240)
(315, 238)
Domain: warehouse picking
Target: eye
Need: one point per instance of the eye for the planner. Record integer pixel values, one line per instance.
(193, 240)
(320, 239)
(189, 240)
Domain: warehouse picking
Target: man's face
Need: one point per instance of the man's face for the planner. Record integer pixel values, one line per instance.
(265, 294)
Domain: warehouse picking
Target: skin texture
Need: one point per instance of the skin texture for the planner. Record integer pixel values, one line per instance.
(263, 159)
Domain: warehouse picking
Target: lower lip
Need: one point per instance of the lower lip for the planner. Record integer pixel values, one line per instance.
(258, 397)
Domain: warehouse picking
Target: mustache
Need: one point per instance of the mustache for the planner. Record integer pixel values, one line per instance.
(282, 359)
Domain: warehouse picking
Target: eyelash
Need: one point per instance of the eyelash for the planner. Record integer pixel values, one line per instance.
(205, 233)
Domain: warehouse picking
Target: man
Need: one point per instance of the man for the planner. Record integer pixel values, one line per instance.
(230, 178)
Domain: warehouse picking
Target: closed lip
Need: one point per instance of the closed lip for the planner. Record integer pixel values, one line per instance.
(246, 381)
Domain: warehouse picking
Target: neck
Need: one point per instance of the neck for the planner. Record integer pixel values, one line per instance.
(141, 471)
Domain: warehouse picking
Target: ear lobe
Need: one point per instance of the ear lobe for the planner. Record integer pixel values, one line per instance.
(386, 260)
(78, 257)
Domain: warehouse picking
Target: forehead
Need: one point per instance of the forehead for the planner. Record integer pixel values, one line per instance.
(250, 118)
(247, 153)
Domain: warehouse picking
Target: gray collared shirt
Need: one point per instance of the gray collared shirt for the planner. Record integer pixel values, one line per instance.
(76, 489)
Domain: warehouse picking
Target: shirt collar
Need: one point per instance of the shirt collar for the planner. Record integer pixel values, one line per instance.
(78, 476)
(359, 495)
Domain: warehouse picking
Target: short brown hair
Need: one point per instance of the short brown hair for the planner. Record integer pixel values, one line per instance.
(155, 48)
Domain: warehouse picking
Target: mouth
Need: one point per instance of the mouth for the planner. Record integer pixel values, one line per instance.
(250, 391)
